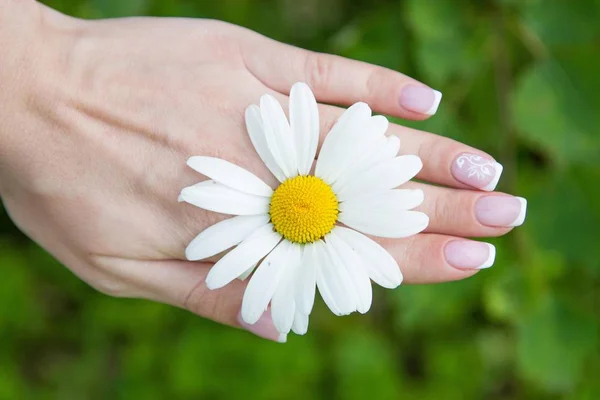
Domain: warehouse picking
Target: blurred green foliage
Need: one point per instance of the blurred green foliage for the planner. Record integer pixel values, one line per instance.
(520, 80)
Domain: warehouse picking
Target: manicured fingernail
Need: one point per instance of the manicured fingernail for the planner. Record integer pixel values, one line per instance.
(469, 254)
(501, 210)
(477, 171)
(420, 99)
(264, 328)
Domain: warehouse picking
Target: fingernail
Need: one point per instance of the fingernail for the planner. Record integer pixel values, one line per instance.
(420, 99)
(477, 171)
(501, 210)
(469, 254)
(263, 328)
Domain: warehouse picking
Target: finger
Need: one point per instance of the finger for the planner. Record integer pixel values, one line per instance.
(445, 161)
(423, 258)
(431, 258)
(181, 284)
(449, 162)
(469, 213)
(339, 80)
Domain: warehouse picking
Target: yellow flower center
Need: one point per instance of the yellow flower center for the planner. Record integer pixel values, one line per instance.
(303, 209)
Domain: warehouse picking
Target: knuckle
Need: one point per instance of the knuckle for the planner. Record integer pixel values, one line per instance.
(410, 247)
(425, 256)
(377, 81)
(317, 70)
(430, 147)
(410, 254)
(442, 210)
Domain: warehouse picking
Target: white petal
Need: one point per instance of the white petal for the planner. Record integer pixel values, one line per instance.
(393, 224)
(256, 132)
(383, 176)
(334, 283)
(381, 266)
(354, 118)
(304, 121)
(230, 175)
(322, 259)
(389, 201)
(307, 279)
(238, 260)
(223, 235)
(386, 149)
(279, 135)
(300, 326)
(360, 138)
(283, 304)
(247, 273)
(213, 196)
(264, 282)
(356, 271)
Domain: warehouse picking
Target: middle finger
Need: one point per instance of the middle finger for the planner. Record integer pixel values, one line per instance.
(468, 212)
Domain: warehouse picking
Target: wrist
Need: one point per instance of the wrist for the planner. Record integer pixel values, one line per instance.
(18, 27)
(34, 42)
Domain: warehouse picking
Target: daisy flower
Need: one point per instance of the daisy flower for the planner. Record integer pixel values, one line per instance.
(291, 238)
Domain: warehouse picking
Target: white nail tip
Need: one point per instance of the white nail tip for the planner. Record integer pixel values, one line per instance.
(282, 338)
(491, 257)
(436, 102)
(521, 218)
(498, 168)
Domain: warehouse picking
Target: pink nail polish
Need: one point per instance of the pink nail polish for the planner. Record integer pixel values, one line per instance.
(420, 99)
(501, 210)
(477, 171)
(263, 328)
(469, 254)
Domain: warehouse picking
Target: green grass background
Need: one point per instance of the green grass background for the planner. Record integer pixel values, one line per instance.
(521, 81)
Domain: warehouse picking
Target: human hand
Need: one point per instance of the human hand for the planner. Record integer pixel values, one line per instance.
(95, 139)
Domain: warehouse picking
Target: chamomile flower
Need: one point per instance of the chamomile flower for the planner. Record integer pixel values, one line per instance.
(290, 239)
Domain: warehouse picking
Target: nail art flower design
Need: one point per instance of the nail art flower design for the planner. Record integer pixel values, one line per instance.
(289, 238)
(476, 166)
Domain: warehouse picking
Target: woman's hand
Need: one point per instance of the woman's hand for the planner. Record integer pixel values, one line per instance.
(99, 117)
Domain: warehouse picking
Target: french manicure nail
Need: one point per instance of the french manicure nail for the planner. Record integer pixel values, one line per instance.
(477, 171)
(263, 328)
(505, 211)
(420, 99)
(469, 254)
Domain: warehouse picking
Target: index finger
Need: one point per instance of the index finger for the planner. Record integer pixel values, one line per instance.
(338, 80)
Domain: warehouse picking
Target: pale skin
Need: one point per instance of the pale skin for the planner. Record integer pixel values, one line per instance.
(98, 118)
